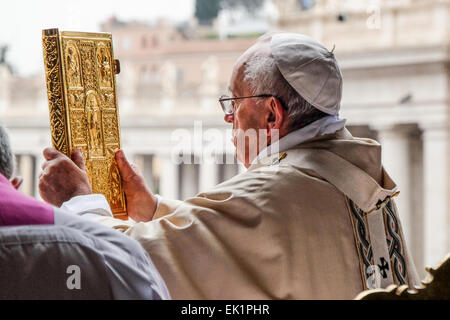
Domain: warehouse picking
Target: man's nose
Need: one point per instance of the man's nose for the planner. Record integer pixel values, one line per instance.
(229, 118)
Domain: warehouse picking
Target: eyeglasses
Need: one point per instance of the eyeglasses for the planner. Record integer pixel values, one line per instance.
(228, 105)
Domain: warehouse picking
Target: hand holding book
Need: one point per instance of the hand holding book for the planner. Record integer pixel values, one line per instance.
(63, 178)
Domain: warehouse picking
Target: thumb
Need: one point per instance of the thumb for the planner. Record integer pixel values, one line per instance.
(77, 158)
(126, 169)
(50, 154)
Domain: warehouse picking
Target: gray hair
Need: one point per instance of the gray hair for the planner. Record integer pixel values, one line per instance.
(6, 155)
(264, 77)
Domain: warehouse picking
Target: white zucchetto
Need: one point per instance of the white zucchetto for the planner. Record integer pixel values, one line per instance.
(310, 69)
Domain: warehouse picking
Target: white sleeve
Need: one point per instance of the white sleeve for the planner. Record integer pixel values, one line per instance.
(88, 205)
(129, 268)
(92, 205)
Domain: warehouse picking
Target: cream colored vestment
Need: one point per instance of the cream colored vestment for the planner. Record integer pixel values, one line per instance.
(293, 229)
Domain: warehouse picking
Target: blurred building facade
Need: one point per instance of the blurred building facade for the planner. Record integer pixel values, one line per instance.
(394, 57)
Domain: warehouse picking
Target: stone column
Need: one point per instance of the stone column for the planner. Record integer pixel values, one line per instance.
(417, 231)
(169, 183)
(396, 159)
(209, 174)
(39, 160)
(189, 180)
(402, 157)
(27, 171)
(436, 190)
(5, 76)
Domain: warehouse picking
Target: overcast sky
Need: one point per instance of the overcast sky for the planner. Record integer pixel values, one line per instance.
(22, 21)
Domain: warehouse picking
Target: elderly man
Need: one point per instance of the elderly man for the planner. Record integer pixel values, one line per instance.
(38, 243)
(311, 218)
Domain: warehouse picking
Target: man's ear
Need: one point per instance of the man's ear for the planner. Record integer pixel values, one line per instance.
(275, 116)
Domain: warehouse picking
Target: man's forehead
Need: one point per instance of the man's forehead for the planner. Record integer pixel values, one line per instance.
(261, 47)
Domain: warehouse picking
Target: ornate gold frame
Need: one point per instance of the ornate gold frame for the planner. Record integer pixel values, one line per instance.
(81, 87)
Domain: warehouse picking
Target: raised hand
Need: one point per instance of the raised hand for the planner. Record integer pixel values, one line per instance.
(63, 178)
(141, 203)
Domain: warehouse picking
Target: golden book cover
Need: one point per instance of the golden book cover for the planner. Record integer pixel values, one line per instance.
(81, 87)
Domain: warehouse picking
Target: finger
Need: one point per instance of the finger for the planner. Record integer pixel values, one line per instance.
(125, 168)
(45, 165)
(50, 153)
(77, 158)
(17, 182)
(136, 169)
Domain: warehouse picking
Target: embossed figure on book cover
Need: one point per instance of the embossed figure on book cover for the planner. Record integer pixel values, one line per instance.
(80, 72)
